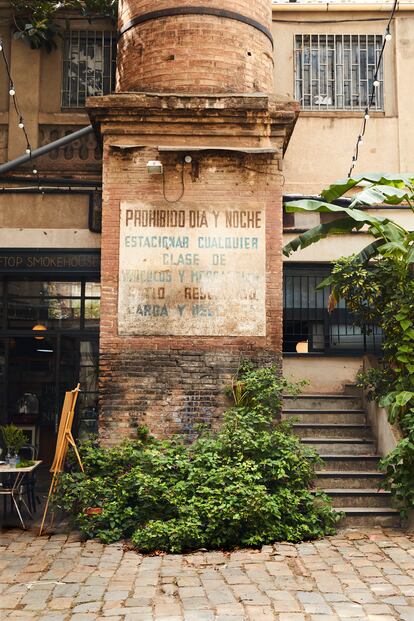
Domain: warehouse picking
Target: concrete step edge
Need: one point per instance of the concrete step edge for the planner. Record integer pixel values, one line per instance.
(316, 411)
(351, 457)
(338, 491)
(349, 474)
(336, 441)
(333, 425)
(318, 396)
(367, 510)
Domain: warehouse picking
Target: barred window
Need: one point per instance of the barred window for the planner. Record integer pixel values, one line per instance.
(336, 72)
(89, 62)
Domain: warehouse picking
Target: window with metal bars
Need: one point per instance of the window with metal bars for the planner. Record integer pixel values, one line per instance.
(89, 63)
(336, 72)
(307, 324)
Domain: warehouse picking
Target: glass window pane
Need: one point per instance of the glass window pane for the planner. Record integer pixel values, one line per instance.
(88, 66)
(25, 313)
(336, 71)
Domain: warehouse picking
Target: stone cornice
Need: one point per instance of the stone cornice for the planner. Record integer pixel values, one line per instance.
(255, 117)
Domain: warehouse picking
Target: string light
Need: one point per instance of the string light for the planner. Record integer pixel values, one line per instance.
(13, 95)
(375, 85)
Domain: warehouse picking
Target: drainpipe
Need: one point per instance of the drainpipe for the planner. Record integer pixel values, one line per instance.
(56, 144)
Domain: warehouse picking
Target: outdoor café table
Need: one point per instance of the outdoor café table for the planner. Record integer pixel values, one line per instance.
(16, 478)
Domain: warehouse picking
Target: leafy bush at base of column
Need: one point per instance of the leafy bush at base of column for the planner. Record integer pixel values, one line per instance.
(247, 485)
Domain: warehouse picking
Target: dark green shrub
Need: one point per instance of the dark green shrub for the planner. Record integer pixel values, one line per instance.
(247, 485)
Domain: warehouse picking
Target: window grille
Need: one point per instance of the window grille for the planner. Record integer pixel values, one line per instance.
(306, 318)
(336, 72)
(89, 63)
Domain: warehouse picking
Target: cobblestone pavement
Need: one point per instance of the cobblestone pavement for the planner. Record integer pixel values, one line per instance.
(358, 575)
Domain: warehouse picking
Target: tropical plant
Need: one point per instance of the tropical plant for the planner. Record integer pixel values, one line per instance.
(247, 485)
(391, 239)
(378, 287)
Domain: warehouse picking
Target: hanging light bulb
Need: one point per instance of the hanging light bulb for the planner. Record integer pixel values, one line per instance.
(35, 171)
(21, 124)
(360, 141)
(28, 150)
(388, 35)
(1, 46)
(376, 83)
(12, 91)
(366, 115)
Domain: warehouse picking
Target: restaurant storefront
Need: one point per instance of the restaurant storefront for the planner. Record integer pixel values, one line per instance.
(49, 339)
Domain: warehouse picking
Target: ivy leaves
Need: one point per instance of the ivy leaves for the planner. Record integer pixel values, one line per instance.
(248, 484)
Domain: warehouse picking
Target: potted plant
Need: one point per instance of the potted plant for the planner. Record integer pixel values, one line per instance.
(14, 439)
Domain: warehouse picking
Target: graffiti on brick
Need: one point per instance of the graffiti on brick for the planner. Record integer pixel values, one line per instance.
(192, 272)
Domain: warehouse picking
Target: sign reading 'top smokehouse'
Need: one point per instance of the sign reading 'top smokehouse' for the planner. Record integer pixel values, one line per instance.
(192, 272)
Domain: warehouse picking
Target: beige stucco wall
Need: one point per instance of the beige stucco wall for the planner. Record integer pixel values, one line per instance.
(325, 374)
(322, 144)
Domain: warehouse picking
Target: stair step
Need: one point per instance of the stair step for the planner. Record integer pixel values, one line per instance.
(323, 402)
(369, 516)
(331, 430)
(357, 417)
(350, 479)
(340, 446)
(355, 498)
(350, 462)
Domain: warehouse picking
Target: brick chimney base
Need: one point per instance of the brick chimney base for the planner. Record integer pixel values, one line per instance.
(191, 258)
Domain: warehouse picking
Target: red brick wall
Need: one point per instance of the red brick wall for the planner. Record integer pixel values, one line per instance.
(171, 383)
(195, 53)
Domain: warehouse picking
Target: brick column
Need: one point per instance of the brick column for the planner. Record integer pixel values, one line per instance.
(191, 258)
(162, 366)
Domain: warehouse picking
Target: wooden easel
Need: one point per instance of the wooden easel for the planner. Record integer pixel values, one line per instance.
(64, 438)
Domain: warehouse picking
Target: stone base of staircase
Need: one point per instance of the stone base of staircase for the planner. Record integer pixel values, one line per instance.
(336, 427)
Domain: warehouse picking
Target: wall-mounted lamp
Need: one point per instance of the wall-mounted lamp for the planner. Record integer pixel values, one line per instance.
(155, 167)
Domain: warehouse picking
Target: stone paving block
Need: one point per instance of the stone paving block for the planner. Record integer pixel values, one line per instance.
(259, 613)
(60, 603)
(348, 609)
(323, 618)
(195, 603)
(88, 607)
(247, 593)
(55, 617)
(199, 615)
(406, 612)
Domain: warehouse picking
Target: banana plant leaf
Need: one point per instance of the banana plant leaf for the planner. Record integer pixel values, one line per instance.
(399, 180)
(336, 227)
(380, 194)
(356, 215)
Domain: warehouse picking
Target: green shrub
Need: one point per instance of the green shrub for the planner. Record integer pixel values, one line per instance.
(247, 485)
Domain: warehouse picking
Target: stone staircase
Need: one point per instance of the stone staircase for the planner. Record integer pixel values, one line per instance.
(336, 427)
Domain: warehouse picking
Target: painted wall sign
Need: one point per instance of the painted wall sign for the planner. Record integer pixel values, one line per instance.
(62, 261)
(192, 272)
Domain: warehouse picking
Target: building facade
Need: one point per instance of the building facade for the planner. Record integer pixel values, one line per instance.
(242, 153)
